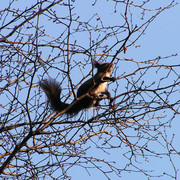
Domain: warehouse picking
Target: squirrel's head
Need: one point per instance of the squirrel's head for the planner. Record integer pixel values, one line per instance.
(105, 67)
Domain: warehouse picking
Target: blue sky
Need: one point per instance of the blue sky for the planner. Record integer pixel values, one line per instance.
(160, 39)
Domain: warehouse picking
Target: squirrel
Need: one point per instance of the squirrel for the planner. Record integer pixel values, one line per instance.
(89, 94)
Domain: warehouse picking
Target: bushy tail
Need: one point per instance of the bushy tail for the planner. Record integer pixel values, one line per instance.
(53, 91)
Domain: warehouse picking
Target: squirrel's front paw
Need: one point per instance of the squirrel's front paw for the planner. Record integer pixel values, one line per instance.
(113, 79)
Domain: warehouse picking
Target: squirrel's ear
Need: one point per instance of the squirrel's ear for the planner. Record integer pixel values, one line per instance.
(96, 63)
